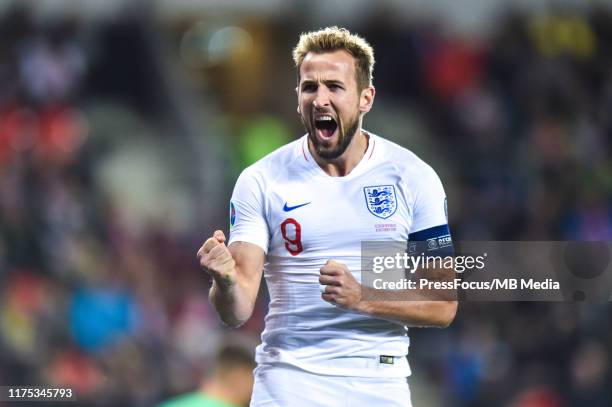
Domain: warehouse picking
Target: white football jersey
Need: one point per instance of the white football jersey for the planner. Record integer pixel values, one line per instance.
(301, 217)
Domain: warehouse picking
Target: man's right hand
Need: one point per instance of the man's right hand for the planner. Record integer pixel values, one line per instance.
(216, 258)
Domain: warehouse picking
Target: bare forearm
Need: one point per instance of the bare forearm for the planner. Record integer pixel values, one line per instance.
(423, 313)
(236, 273)
(232, 302)
(434, 308)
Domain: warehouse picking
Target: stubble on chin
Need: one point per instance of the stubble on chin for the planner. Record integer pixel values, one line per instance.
(344, 138)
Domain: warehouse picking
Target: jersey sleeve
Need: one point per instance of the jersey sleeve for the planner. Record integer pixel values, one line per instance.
(430, 217)
(247, 212)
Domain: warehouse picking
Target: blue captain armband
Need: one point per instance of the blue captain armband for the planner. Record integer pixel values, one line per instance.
(435, 241)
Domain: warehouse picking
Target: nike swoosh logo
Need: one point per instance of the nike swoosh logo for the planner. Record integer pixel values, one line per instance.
(287, 208)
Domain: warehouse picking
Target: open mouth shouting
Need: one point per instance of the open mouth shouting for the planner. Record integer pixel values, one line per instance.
(326, 126)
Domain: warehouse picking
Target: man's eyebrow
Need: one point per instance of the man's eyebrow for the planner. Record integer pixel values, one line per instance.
(339, 81)
(326, 82)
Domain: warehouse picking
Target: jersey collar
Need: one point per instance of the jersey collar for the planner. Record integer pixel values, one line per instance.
(365, 161)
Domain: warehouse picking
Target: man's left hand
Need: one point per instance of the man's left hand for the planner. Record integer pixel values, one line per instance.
(341, 288)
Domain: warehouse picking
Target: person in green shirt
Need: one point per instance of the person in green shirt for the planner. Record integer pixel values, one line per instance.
(229, 385)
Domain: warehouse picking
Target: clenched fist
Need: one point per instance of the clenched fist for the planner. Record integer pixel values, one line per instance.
(216, 258)
(341, 288)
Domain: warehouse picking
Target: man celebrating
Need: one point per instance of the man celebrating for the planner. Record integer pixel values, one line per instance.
(304, 210)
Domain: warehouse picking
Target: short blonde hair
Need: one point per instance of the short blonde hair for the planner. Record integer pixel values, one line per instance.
(332, 39)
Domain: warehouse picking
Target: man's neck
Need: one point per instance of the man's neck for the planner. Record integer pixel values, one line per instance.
(344, 164)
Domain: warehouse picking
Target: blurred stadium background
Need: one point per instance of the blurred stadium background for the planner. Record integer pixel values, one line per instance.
(124, 124)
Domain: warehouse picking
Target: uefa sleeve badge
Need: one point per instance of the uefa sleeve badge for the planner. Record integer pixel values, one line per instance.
(232, 215)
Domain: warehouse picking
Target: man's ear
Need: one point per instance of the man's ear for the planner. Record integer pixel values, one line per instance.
(366, 99)
(298, 110)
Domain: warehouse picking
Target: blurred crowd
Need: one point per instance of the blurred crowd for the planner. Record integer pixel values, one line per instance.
(522, 134)
(516, 121)
(117, 313)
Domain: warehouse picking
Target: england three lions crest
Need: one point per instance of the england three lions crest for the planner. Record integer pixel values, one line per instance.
(381, 200)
